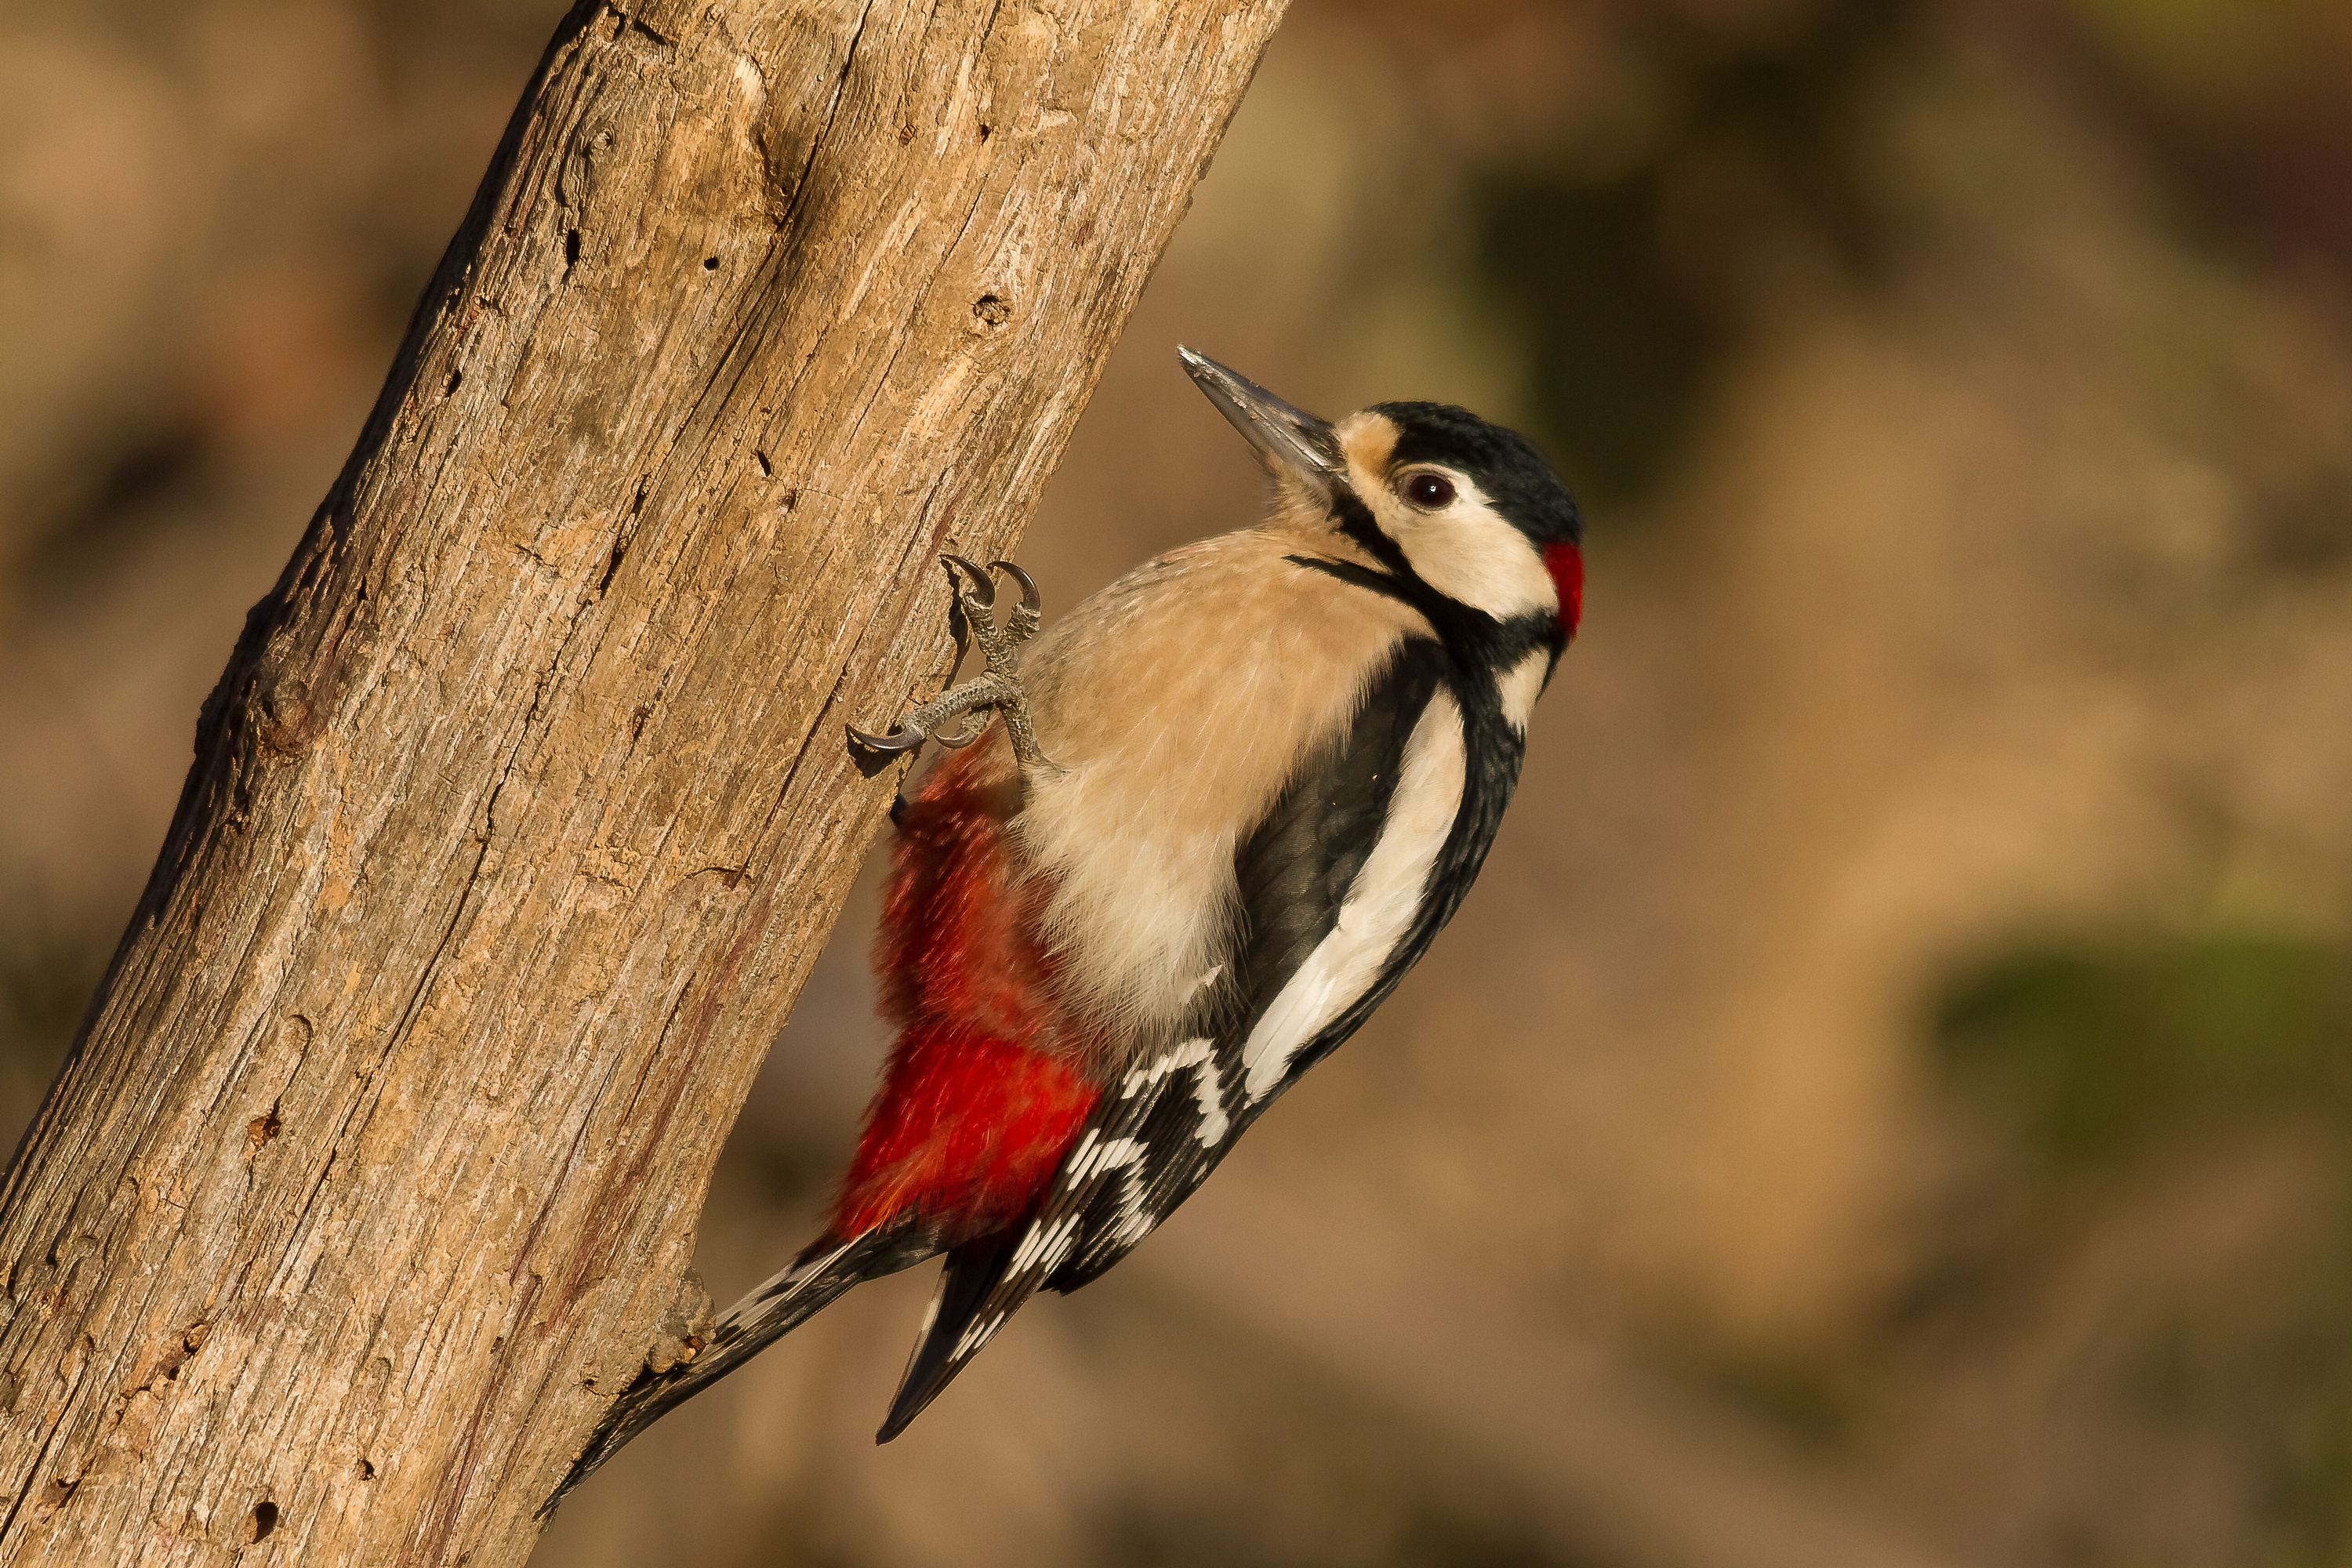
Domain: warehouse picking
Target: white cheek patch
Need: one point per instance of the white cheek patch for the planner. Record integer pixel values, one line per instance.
(1465, 551)
(1522, 684)
(1381, 905)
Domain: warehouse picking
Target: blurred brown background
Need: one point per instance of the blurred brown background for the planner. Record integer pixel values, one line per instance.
(1890, 1096)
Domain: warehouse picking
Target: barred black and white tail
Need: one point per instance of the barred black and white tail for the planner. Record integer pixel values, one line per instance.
(811, 1282)
(964, 1315)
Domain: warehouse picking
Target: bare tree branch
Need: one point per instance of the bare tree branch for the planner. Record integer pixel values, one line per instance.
(523, 807)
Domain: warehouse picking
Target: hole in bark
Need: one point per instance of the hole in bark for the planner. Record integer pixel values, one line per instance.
(571, 249)
(265, 1520)
(983, 132)
(620, 554)
(265, 1127)
(456, 376)
(710, 263)
(767, 468)
(991, 311)
(367, 1469)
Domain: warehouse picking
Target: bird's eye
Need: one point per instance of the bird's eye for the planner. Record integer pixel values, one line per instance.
(1429, 491)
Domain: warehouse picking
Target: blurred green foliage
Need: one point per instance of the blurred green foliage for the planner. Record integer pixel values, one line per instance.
(1629, 287)
(1619, 353)
(2104, 1055)
(2097, 1049)
(2309, 1456)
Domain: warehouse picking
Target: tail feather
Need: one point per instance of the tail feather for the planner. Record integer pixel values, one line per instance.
(971, 1306)
(805, 1285)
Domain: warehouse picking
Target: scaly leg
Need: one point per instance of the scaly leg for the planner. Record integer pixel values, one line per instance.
(998, 690)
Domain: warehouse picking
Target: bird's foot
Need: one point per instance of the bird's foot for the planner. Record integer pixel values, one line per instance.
(998, 690)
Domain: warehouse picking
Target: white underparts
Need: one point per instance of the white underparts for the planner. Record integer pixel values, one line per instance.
(1380, 904)
(1178, 704)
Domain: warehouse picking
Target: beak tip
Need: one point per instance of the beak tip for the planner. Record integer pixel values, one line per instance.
(1292, 438)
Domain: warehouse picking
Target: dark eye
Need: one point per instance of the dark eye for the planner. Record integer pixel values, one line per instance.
(1429, 491)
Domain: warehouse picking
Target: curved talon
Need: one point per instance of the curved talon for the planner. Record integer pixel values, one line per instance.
(984, 587)
(972, 618)
(958, 742)
(1030, 598)
(897, 740)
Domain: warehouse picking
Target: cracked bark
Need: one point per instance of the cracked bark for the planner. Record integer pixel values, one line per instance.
(523, 806)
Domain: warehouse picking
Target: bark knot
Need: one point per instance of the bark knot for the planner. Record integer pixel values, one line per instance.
(685, 1328)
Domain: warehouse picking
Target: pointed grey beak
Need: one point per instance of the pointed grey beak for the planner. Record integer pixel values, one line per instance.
(1294, 438)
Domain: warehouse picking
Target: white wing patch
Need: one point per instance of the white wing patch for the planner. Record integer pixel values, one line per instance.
(1207, 1086)
(1046, 1246)
(1381, 903)
(1208, 1093)
(1091, 1157)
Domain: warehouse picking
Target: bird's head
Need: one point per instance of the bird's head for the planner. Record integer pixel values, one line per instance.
(1440, 497)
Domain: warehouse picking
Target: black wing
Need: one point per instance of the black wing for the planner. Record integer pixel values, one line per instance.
(1176, 1118)
(1159, 1133)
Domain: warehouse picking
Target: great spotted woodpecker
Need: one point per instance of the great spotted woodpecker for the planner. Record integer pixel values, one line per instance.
(1234, 795)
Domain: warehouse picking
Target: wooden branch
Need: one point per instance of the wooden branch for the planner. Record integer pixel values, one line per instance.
(523, 804)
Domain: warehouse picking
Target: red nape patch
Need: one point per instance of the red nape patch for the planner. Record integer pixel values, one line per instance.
(967, 1130)
(980, 1098)
(1566, 563)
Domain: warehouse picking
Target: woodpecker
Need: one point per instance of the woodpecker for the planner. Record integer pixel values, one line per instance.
(1233, 798)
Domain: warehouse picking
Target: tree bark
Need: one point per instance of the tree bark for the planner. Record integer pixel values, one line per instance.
(523, 804)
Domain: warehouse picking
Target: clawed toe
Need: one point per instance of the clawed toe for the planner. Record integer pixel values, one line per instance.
(958, 742)
(980, 590)
(996, 690)
(982, 587)
(900, 738)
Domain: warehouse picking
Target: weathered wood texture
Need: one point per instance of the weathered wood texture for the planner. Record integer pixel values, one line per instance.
(523, 804)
